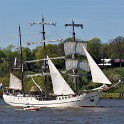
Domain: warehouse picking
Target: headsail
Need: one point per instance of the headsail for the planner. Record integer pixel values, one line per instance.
(97, 75)
(15, 83)
(60, 87)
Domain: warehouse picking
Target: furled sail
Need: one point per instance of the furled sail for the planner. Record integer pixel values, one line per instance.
(77, 64)
(60, 86)
(71, 48)
(15, 83)
(97, 75)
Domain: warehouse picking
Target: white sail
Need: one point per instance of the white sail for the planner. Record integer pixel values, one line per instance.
(60, 86)
(15, 83)
(97, 75)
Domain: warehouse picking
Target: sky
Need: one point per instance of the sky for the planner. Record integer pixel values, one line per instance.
(102, 19)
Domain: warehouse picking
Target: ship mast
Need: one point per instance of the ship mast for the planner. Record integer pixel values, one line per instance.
(21, 59)
(43, 37)
(74, 25)
(73, 55)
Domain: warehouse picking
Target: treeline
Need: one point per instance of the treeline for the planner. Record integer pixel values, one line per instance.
(98, 50)
(8, 55)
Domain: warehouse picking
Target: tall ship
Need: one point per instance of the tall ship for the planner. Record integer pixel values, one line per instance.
(63, 95)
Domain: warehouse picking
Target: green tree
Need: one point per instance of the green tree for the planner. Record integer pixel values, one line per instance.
(117, 46)
(94, 48)
(10, 54)
(105, 51)
(2, 56)
(27, 54)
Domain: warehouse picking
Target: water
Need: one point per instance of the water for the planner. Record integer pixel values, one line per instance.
(108, 111)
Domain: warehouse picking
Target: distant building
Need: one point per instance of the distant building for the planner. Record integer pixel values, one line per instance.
(106, 62)
(111, 62)
(117, 62)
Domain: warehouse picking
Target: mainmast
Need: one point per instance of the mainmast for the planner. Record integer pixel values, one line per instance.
(43, 37)
(73, 55)
(74, 25)
(21, 60)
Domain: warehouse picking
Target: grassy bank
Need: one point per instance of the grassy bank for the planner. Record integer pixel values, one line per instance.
(113, 95)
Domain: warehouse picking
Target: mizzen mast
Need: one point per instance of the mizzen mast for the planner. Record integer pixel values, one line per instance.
(21, 59)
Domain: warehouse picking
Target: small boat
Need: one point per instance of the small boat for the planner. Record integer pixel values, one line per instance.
(31, 108)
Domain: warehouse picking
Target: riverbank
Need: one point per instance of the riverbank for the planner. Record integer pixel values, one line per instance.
(113, 95)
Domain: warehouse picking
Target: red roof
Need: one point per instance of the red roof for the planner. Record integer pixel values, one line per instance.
(118, 60)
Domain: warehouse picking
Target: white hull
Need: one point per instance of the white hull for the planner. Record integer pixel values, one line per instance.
(32, 108)
(85, 99)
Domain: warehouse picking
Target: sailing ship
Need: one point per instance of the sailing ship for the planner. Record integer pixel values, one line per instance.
(31, 108)
(64, 95)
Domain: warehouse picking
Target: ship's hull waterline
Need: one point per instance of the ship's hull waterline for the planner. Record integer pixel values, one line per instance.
(85, 99)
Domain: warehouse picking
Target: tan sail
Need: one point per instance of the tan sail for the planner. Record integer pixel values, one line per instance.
(15, 83)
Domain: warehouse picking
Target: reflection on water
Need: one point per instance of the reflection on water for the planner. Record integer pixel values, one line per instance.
(108, 111)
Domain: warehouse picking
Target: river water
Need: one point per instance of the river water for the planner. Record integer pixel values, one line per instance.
(108, 111)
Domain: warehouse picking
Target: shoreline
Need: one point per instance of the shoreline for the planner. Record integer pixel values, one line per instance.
(112, 96)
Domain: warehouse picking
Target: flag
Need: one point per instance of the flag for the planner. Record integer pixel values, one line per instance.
(16, 63)
(1, 85)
